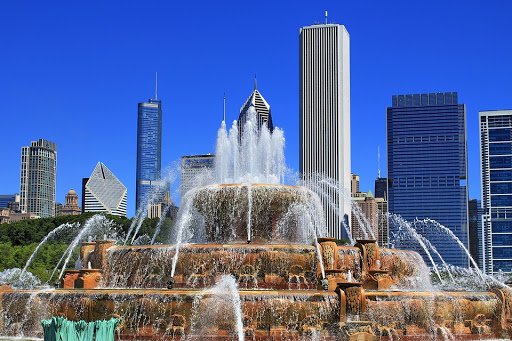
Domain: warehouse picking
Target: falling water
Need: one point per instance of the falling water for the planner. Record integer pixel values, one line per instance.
(183, 222)
(427, 242)
(402, 223)
(450, 233)
(94, 224)
(329, 189)
(155, 195)
(249, 212)
(160, 223)
(222, 300)
(49, 236)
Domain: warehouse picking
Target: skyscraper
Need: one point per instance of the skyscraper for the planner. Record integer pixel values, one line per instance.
(381, 197)
(427, 167)
(475, 229)
(381, 188)
(103, 192)
(193, 168)
(38, 178)
(324, 120)
(149, 149)
(496, 171)
(262, 108)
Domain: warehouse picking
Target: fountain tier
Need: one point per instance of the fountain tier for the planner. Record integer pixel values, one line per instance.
(260, 213)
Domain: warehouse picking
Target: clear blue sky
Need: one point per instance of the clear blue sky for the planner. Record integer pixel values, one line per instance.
(73, 72)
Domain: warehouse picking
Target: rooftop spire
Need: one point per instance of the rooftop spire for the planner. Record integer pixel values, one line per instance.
(325, 15)
(255, 83)
(378, 162)
(224, 117)
(156, 85)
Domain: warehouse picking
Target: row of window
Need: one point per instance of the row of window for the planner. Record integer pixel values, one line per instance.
(434, 138)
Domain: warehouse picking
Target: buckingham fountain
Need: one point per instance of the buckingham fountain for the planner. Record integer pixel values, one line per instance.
(249, 260)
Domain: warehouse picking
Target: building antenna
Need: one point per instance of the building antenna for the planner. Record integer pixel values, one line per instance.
(224, 117)
(325, 15)
(378, 162)
(255, 83)
(156, 85)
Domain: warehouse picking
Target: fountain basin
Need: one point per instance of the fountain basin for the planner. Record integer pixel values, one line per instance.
(156, 313)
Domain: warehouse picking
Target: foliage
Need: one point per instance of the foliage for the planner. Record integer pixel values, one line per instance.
(18, 240)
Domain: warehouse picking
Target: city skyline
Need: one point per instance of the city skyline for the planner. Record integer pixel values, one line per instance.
(105, 85)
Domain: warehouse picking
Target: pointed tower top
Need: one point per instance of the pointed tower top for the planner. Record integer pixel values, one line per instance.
(224, 116)
(156, 85)
(255, 83)
(326, 14)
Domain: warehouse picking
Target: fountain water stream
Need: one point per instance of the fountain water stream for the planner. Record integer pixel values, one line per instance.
(222, 303)
(403, 224)
(55, 232)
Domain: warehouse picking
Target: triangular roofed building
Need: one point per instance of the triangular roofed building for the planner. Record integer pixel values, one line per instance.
(262, 108)
(103, 192)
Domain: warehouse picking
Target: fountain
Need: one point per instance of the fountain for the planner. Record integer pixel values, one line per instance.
(249, 260)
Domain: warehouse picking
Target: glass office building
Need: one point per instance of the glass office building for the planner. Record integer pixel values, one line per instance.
(194, 169)
(496, 171)
(38, 178)
(6, 199)
(427, 168)
(149, 149)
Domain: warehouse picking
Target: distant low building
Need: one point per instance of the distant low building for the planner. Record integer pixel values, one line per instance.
(6, 199)
(9, 216)
(369, 212)
(162, 207)
(71, 206)
(103, 192)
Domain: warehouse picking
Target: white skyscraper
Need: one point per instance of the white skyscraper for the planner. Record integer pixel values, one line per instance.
(324, 131)
(103, 192)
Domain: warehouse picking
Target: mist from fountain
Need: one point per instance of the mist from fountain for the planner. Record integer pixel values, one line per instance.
(19, 279)
(256, 157)
(330, 189)
(55, 232)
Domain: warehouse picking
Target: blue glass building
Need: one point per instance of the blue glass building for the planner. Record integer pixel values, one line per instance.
(427, 168)
(149, 148)
(5, 199)
(496, 163)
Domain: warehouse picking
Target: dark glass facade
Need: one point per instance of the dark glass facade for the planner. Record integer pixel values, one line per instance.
(5, 199)
(475, 230)
(149, 148)
(496, 157)
(381, 188)
(427, 167)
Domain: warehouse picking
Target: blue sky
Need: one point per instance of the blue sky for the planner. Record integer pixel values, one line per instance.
(73, 72)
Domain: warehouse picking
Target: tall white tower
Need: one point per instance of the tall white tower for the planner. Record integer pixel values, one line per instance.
(324, 131)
